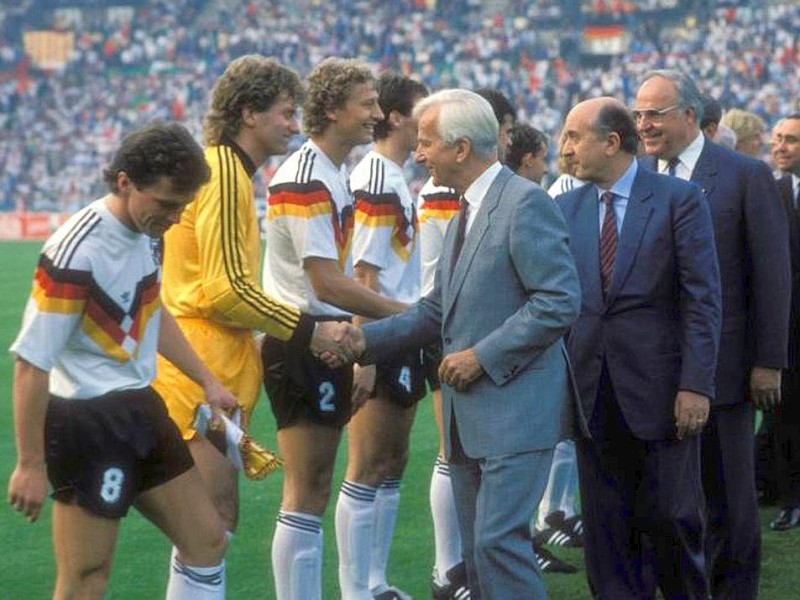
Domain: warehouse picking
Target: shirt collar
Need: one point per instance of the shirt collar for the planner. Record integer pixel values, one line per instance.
(622, 187)
(689, 157)
(475, 193)
(249, 166)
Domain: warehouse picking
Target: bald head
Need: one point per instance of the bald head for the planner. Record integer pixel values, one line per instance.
(599, 140)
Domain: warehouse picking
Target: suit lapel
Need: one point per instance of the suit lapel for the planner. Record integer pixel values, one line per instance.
(473, 239)
(636, 216)
(793, 217)
(705, 171)
(586, 244)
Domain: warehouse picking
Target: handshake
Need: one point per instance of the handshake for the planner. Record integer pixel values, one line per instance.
(337, 343)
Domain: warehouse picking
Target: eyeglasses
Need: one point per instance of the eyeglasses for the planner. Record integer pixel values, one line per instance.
(653, 115)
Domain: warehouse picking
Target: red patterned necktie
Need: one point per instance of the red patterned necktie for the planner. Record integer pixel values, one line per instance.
(460, 232)
(608, 242)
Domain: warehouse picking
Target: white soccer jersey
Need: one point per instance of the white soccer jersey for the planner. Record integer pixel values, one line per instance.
(386, 226)
(437, 207)
(565, 183)
(93, 316)
(309, 214)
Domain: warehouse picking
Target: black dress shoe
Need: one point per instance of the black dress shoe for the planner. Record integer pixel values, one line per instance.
(550, 563)
(788, 518)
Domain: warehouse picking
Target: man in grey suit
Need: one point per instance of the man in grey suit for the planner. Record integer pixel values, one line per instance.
(505, 292)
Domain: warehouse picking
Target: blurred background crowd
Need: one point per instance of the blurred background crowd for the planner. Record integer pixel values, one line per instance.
(76, 75)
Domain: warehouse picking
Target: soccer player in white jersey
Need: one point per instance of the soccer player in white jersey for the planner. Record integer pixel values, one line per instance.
(438, 205)
(309, 265)
(85, 415)
(386, 259)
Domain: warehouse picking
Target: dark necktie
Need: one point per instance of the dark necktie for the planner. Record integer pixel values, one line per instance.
(608, 242)
(672, 164)
(461, 231)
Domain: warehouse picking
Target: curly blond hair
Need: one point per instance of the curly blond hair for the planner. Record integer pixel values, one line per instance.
(251, 81)
(328, 87)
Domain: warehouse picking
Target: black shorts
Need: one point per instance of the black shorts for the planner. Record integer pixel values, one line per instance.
(300, 387)
(402, 382)
(432, 357)
(102, 453)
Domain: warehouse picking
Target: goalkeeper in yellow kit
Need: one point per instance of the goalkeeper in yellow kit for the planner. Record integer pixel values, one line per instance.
(213, 257)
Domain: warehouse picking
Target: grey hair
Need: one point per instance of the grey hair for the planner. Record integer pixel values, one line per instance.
(725, 136)
(688, 94)
(463, 115)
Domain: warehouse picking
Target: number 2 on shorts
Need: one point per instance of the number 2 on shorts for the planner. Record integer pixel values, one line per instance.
(326, 395)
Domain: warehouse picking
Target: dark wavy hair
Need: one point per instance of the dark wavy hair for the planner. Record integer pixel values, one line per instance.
(523, 139)
(398, 93)
(159, 150)
(501, 105)
(251, 81)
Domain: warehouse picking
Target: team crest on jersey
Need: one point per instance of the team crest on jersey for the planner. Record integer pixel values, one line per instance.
(157, 251)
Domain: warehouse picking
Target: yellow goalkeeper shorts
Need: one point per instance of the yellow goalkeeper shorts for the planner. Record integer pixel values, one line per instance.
(230, 354)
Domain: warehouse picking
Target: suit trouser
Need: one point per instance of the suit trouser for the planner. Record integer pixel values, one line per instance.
(642, 510)
(733, 542)
(495, 500)
(787, 439)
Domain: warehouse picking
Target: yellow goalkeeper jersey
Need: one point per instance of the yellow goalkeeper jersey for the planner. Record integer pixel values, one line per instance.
(213, 256)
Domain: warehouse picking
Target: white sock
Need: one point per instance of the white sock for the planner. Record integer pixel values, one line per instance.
(569, 496)
(355, 513)
(446, 535)
(386, 502)
(297, 556)
(195, 583)
(562, 484)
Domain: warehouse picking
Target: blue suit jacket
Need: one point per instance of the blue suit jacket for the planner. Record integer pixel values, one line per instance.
(752, 241)
(512, 295)
(793, 219)
(658, 330)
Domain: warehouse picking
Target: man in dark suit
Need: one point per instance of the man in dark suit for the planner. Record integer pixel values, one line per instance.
(505, 292)
(644, 350)
(785, 149)
(752, 244)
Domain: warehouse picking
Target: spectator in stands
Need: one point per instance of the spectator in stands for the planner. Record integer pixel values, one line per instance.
(749, 129)
(55, 123)
(725, 136)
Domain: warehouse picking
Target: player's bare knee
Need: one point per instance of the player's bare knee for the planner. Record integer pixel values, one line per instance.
(87, 584)
(205, 551)
(394, 463)
(228, 509)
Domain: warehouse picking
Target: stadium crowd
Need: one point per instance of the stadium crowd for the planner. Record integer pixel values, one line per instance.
(710, 280)
(56, 125)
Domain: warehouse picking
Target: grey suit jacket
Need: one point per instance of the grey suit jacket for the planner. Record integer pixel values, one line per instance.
(511, 296)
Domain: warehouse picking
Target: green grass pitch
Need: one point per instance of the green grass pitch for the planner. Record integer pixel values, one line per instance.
(140, 565)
